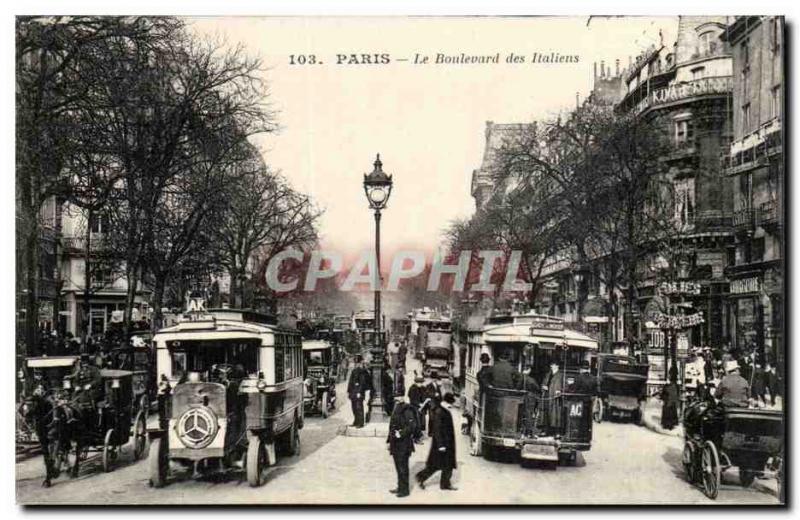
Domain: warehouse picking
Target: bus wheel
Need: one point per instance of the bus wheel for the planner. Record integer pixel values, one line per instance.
(257, 462)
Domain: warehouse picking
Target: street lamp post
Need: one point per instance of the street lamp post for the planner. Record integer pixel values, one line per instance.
(377, 187)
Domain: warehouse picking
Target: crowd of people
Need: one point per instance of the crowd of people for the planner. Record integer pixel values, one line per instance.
(733, 377)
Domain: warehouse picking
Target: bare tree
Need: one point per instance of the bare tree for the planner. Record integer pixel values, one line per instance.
(51, 58)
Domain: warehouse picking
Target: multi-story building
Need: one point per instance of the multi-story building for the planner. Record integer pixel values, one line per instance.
(688, 88)
(109, 287)
(47, 274)
(484, 182)
(756, 174)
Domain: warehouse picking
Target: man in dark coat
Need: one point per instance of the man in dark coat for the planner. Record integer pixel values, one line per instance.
(554, 385)
(443, 446)
(433, 395)
(416, 398)
(502, 374)
(360, 382)
(402, 426)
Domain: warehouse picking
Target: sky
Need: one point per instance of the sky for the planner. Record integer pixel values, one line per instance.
(427, 121)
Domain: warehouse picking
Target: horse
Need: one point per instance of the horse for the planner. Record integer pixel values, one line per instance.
(51, 420)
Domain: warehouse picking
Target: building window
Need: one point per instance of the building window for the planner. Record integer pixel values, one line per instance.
(757, 252)
(775, 34)
(745, 117)
(99, 223)
(775, 105)
(698, 72)
(745, 53)
(707, 43)
(684, 131)
(745, 83)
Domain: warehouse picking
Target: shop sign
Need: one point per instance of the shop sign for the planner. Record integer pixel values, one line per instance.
(746, 285)
(679, 287)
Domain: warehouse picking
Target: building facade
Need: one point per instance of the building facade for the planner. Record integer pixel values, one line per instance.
(109, 287)
(755, 170)
(688, 88)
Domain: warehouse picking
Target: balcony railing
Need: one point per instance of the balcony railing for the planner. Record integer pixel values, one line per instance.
(768, 213)
(78, 244)
(744, 219)
(720, 85)
(710, 221)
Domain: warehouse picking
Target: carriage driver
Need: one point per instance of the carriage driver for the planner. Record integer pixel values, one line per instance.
(89, 387)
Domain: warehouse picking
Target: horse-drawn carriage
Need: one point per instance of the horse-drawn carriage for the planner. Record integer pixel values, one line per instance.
(720, 438)
(621, 387)
(73, 419)
(39, 378)
(230, 392)
(137, 357)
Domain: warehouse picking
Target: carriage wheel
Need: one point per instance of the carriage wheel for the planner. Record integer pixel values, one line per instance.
(139, 435)
(475, 444)
(597, 410)
(324, 405)
(257, 462)
(158, 463)
(712, 474)
(688, 462)
(746, 477)
(109, 450)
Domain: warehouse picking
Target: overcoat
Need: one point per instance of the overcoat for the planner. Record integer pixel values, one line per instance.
(443, 435)
(403, 420)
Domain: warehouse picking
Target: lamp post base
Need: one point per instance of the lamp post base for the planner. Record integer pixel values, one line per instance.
(375, 408)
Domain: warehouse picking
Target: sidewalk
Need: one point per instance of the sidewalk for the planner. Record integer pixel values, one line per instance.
(652, 419)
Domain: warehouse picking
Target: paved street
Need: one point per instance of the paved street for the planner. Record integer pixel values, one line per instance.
(625, 460)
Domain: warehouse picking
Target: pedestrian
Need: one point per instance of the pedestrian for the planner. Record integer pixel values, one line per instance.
(758, 385)
(434, 395)
(416, 398)
(387, 388)
(554, 385)
(442, 456)
(356, 390)
(770, 382)
(669, 408)
(402, 426)
(403, 354)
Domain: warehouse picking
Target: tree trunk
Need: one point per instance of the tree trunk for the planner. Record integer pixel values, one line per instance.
(158, 300)
(87, 280)
(31, 261)
(132, 278)
(58, 281)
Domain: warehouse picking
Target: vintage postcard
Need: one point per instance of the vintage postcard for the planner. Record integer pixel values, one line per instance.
(400, 260)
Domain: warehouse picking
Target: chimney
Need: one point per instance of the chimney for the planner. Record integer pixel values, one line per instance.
(602, 69)
(617, 73)
(595, 71)
(577, 100)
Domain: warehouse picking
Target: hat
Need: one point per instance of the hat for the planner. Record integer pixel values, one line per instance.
(485, 358)
(434, 374)
(449, 398)
(419, 379)
(730, 366)
(358, 358)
